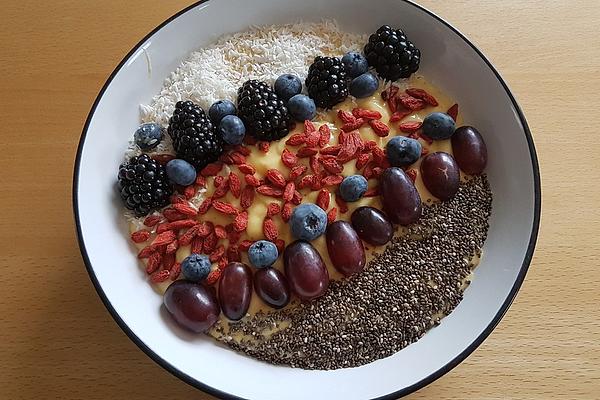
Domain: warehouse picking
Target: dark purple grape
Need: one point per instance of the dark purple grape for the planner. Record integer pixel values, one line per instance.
(345, 248)
(469, 150)
(440, 174)
(192, 305)
(235, 290)
(400, 198)
(272, 287)
(372, 225)
(305, 270)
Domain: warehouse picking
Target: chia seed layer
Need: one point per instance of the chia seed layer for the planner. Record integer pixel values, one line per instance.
(419, 278)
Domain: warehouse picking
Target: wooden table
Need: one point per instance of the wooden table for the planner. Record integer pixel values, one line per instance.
(58, 341)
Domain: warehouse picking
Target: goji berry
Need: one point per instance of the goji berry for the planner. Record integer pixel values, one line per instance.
(235, 185)
(205, 228)
(270, 229)
(296, 139)
(164, 238)
(331, 215)
(210, 243)
(288, 192)
(175, 271)
(153, 263)
(187, 237)
(185, 209)
(140, 236)
(205, 205)
(224, 208)
(323, 199)
(211, 169)
(412, 174)
(346, 117)
(173, 215)
(362, 160)
(324, 135)
(164, 227)
(343, 206)
(160, 276)
(368, 171)
(245, 245)
(221, 190)
(217, 254)
(276, 178)
(226, 159)
(152, 220)
(247, 169)
(352, 142)
(267, 190)
(176, 199)
(453, 112)
(424, 151)
(177, 225)
(214, 275)
(410, 126)
(307, 152)
(305, 181)
(286, 212)
(250, 140)
(332, 180)
(240, 223)
(332, 166)
(309, 127)
(315, 165)
(426, 138)
(247, 197)
(252, 180)
(280, 243)
(410, 102)
(220, 232)
(379, 157)
(297, 199)
(218, 181)
(333, 150)
(423, 95)
(189, 192)
(380, 129)
(390, 92)
(243, 150)
(233, 253)
(162, 159)
(273, 209)
(400, 115)
(297, 171)
(168, 260)
(288, 158)
(316, 183)
(263, 146)
(146, 252)
(372, 192)
(197, 244)
(351, 126)
(172, 247)
(238, 158)
(377, 171)
(366, 114)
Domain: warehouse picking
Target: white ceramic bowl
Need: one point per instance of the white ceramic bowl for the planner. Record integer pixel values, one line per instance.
(449, 60)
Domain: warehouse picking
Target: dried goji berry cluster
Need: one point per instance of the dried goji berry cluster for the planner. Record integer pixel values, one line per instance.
(179, 224)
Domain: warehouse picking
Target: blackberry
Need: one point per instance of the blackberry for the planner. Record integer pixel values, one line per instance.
(327, 81)
(194, 136)
(264, 114)
(143, 185)
(391, 54)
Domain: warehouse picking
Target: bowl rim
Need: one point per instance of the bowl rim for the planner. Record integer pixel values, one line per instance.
(394, 395)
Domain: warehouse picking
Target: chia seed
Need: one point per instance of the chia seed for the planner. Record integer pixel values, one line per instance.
(401, 294)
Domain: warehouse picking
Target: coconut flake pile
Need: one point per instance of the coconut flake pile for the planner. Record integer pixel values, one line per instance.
(265, 52)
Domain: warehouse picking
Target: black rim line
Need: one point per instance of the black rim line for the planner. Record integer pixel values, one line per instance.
(400, 393)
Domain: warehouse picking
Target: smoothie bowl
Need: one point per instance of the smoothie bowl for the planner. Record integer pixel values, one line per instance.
(315, 204)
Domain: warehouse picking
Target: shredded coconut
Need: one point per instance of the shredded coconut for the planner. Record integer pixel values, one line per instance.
(264, 52)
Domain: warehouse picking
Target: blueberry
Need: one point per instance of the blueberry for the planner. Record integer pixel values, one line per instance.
(148, 136)
(220, 109)
(402, 151)
(287, 86)
(302, 107)
(195, 267)
(308, 222)
(438, 126)
(353, 187)
(355, 63)
(364, 85)
(262, 254)
(181, 172)
(232, 129)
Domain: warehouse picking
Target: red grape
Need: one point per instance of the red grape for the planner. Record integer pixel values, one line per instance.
(235, 290)
(305, 270)
(469, 150)
(192, 305)
(401, 200)
(272, 287)
(372, 225)
(345, 248)
(440, 174)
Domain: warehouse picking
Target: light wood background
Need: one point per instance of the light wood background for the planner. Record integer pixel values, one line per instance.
(58, 341)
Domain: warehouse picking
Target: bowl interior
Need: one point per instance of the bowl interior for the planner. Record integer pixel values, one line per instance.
(448, 61)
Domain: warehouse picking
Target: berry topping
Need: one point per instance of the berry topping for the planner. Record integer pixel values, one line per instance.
(438, 126)
(327, 81)
(364, 85)
(262, 254)
(194, 136)
(287, 86)
(143, 184)
(148, 136)
(232, 129)
(355, 63)
(220, 109)
(302, 108)
(195, 267)
(263, 112)
(353, 187)
(308, 222)
(181, 172)
(402, 151)
(391, 54)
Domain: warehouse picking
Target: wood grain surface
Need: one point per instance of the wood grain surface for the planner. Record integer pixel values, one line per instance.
(58, 341)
